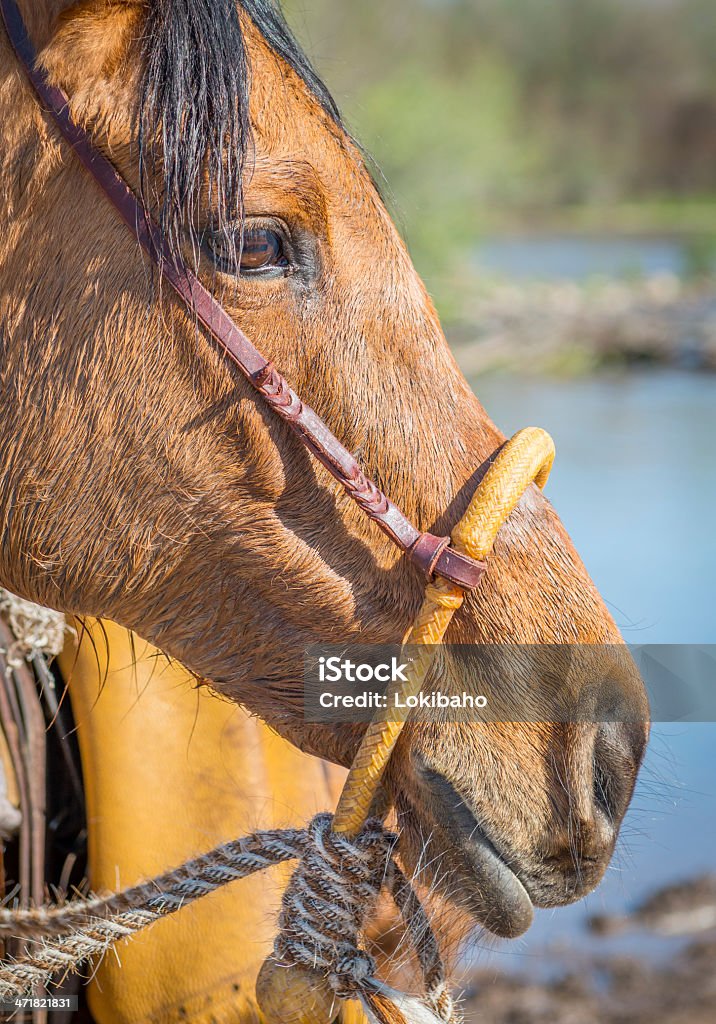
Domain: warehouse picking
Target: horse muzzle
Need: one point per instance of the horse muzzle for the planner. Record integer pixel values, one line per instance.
(460, 857)
(497, 885)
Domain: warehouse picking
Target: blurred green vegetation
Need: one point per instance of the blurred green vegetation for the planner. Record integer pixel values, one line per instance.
(486, 116)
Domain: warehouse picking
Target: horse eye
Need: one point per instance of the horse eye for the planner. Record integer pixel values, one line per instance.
(262, 251)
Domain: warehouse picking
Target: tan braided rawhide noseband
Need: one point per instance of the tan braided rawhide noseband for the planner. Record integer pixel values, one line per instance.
(345, 860)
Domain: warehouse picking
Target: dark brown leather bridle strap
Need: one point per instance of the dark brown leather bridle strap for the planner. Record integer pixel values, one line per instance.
(431, 553)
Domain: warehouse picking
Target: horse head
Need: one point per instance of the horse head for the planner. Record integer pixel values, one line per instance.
(143, 482)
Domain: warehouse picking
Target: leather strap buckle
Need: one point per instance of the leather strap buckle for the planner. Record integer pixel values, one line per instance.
(434, 556)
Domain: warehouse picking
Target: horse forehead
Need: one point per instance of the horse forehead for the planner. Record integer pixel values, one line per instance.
(284, 184)
(291, 128)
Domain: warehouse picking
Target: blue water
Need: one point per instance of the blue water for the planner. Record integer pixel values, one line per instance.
(635, 483)
(579, 257)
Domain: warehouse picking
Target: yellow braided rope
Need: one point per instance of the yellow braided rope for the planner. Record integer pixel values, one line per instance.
(527, 457)
(295, 995)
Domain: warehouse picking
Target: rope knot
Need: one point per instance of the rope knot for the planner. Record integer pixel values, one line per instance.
(326, 904)
(329, 897)
(352, 968)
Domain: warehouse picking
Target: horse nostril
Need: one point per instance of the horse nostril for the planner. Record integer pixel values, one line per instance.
(603, 791)
(618, 750)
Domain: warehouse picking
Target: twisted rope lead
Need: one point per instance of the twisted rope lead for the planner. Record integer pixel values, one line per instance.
(325, 906)
(62, 937)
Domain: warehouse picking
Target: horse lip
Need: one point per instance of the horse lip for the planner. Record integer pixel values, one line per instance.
(495, 896)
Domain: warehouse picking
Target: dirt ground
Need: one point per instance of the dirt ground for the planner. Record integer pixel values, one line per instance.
(608, 991)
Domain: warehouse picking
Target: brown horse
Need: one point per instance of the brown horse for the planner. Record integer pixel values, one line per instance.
(142, 482)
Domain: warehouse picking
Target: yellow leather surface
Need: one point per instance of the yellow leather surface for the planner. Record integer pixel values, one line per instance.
(11, 791)
(170, 771)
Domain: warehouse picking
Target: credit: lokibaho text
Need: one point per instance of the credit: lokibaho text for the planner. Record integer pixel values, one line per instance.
(372, 699)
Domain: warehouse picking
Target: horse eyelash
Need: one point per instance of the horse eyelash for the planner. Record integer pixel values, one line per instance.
(193, 116)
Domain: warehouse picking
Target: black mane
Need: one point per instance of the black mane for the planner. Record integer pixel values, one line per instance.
(193, 114)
